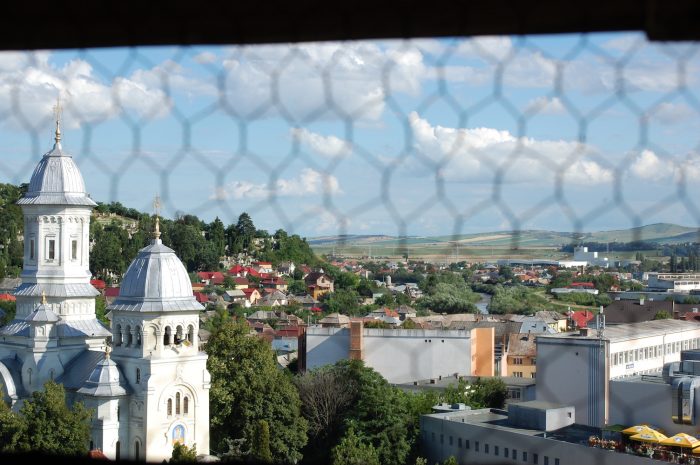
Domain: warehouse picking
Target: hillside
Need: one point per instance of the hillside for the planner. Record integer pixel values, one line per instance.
(659, 232)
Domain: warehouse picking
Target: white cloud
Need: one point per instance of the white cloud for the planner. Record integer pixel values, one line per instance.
(30, 84)
(648, 166)
(204, 58)
(321, 79)
(309, 182)
(489, 47)
(475, 154)
(326, 146)
(669, 113)
(545, 105)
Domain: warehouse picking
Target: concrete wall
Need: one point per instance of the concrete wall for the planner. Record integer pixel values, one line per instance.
(573, 372)
(442, 438)
(400, 355)
(634, 403)
(482, 356)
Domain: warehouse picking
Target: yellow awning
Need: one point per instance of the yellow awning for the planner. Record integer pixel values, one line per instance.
(650, 436)
(681, 440)
(637, 429)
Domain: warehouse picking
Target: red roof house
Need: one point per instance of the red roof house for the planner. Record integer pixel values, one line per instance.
(112, 292)
(7, 297)
(98, 284)
(581, 317)
(212, 277)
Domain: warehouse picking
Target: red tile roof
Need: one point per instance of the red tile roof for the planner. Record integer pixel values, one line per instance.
(582, 317)
(201, 297)
(236, 269)
(241, 280)
(581, 284)
(214, 277)
(98, 283)
(8, 297)
(112, 292)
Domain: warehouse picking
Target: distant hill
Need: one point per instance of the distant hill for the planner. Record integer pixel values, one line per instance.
(659, 232)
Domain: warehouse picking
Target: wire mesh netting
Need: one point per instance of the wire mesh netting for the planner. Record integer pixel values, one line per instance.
(431, 137)
(423, 137)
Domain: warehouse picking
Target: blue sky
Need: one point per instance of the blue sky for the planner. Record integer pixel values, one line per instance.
(425, 137)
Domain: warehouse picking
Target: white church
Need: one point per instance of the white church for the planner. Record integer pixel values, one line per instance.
(150, 389)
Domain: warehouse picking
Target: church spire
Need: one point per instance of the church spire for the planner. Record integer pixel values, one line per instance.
(156, 207)
(57, 110)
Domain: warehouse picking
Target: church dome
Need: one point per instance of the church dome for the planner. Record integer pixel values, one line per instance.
(56, 181)
(156, 281)
(105, 380)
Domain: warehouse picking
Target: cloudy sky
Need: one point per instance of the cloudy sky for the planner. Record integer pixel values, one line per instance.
(426, 137)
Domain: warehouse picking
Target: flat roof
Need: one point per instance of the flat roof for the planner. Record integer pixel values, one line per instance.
(628, 331)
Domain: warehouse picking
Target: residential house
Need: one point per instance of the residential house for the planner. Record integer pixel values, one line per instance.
(580, 318)
(252, 295)
(318, 283)
(557, 321)
(236, 296)
(274, 298)
(335, 320)
(212, 278)
(521, 355)
(405, 311)
(263, 267)
(306, 301)
(286, 268)
(275, 282)
(241, 282)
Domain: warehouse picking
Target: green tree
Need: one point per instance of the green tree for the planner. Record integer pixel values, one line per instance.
(10, 309)
(12, 429)
(183, 454)
(345, 301)
(261, 443)
(101, 310)
(353, 451)
(216, 234)
(51, 426)
(248, 387)
(450, 298)
(297, 287)
(451, 460)
(662, 315)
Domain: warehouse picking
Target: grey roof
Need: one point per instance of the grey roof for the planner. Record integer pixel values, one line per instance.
(9, 284)
(73, 328)
(42, 314)
(79, 368)
(78, 328)
(535, 325)
(56, 181)
(631, 331)
(15, 328)
(156, 281)
(106, 380)
(56, 290)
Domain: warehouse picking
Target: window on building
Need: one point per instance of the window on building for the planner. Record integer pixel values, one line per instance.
(442, 438)
(476, 446)
(119, 413)
(546, 460)
(517, 361)
(166, 336)
(170, 407)
(466, 443)
(118, 336)
(486, 448)
(190, 334)
(535, 459)
(137, 451)
(495, 450)
(138, 336)
(450, 438)
(118, 452)
(514, 456)
(505, 452)
(32, 249)
(138, 376)
(74, 249)
(556, 461)
(518, 374)
(177, 404)
(129, 336)
(433, 433)
(52, 249)
(524, 456)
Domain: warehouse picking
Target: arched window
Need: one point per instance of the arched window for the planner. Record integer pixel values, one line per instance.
(118, 451)
(166, 336)
(138, 336)
(178, 335)
(190, 334)
(29, 375)
(138, 376)
(137, 451)
(128, 336)
(118, 336)
(170, 407)
(92, 445)
(186, 405)
(177, 404)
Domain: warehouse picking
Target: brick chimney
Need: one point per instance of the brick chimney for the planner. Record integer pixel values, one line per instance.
(357, 340)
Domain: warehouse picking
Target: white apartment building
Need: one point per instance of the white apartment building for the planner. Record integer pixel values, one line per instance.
(576, 368)
(673, 282)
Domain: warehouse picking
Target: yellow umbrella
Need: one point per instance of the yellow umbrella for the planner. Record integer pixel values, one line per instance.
(650, 436)
(637, 429)
(681, 440)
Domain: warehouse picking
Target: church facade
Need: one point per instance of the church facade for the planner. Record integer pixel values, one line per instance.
(148, 386)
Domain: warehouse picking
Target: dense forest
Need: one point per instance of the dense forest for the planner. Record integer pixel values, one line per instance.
(117, 233)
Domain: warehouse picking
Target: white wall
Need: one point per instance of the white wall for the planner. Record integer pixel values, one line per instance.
(436, 446)
(400, 355)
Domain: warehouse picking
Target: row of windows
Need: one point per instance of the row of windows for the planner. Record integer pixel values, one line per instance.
(519, 374)
(128, 338)
(645, 353)
(51, 249)
(507, 452)
(185, 405)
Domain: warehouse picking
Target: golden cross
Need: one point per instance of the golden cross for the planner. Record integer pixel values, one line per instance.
(156, 207)
(57, 111)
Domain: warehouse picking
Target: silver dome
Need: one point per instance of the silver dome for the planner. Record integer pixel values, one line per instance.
(56, 181)
(156, 281)
(105, 380)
